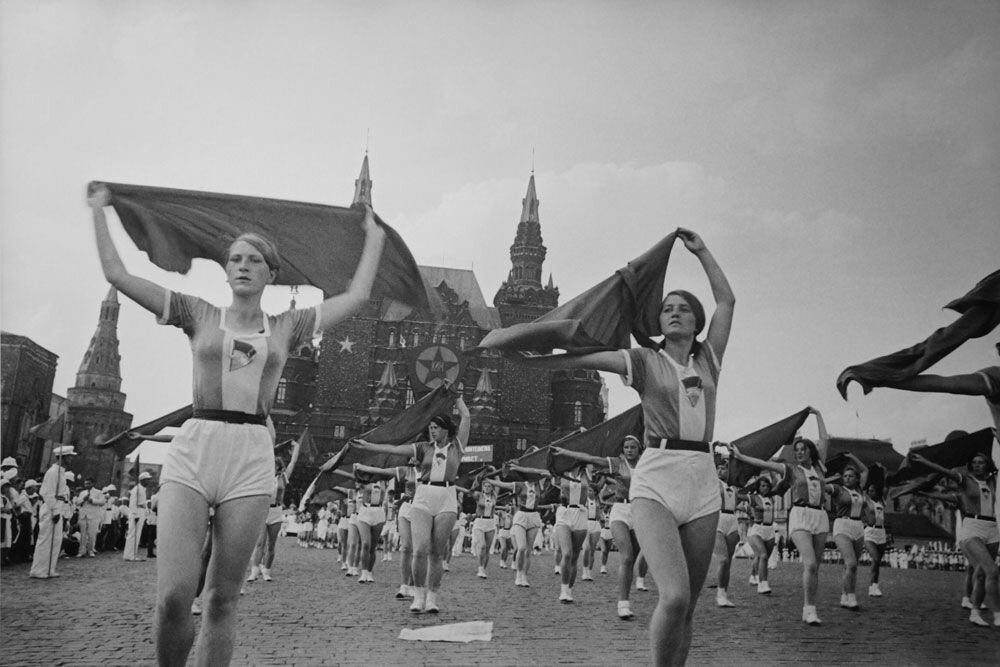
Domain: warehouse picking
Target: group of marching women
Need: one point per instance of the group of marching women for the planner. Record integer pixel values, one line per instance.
(666, 501)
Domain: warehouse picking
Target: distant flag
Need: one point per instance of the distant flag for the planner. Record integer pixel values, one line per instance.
(51, 429)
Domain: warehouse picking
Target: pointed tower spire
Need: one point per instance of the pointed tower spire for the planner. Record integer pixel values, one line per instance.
(386, 399)
(529, 205)
(363, 185)
(101, 366)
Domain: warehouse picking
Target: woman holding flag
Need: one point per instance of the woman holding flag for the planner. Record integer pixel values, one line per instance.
(674, 495)
(222, 457)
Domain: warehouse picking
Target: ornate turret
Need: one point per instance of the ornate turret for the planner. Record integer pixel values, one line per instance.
(385, 403)
(96, 404)
(484, 400)
(521, 298)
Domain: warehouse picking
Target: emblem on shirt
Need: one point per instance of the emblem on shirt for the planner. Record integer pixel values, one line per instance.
(241, 355)
(692, 386)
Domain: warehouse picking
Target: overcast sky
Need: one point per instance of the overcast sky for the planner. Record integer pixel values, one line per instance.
(840, 160)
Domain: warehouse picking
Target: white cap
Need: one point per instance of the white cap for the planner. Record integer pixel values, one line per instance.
(144, 475)
(30, 482)
(65, 450)
(9, 462)
(109, 487)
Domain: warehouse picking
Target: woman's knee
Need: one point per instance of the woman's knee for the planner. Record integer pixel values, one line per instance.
(173, 607)
(676, 603)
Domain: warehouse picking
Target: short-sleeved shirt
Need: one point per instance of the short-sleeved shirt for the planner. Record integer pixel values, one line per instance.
(678, 401)
(438, 464)
(236, 371)
(806, 485)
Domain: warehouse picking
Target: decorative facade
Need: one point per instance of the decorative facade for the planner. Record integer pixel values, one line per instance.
(28, 372)
(375, 364)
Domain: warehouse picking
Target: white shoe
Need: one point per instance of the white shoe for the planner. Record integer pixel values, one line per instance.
(640, 584)
(586, 575)
(849, 601)
(566, 594)
(402, 593)
(764, 588)
(265, 574)
(481, 573)
(809, 616)
(243, 589)
(722, 599)
(254, 573)
(604, 569)
(431, 606)
(557, 569)
(503, 565)
(966, 603)
(754, 580)
(976, 618)
(625, 610)
(363, 577)
(343, 566)
(874, 591)
(445, 567)
(196, 608)
(419, 598)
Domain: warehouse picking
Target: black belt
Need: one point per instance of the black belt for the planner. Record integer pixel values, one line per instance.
(728, 511)
(439, 483)
(576, 507)
(685, 445)
(230, 417)
(767, 524)
(805, 504)
(982, 517)
(274, 504)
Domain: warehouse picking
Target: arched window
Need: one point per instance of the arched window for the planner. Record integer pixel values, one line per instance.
(282, 394)
(392, 338)
(577, 413)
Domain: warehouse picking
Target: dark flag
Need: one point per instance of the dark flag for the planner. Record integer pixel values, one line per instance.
(604, 439)
(979, 315)
(763, 444)
(318, 245)
(124, 443)
(602, 318)
(948, 454)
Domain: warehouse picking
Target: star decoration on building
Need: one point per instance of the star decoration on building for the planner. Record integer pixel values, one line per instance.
(437, 364)
(347, 345)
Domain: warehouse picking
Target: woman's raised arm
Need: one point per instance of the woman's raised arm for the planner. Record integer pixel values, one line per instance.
(340, 307)
(725, 300)
(146, 293)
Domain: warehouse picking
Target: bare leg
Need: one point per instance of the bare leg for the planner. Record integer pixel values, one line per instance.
(849, 551)
(233, 534)
(983, 557)
(183, 521)
(440, 541)
(678, 558)
(421, 524)
(272, 543)
(809, 545)
(627, 548)
(406, 552)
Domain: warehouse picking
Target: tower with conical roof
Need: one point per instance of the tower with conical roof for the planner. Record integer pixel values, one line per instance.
(96, 404)
(363, 185)
(522, 298)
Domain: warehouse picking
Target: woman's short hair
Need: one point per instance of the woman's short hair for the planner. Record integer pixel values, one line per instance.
(990, 466)
(264, 246)
(444, 421)
(810, 447)
(694, 304)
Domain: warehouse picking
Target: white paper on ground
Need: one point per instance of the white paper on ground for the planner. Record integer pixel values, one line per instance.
(452, 632)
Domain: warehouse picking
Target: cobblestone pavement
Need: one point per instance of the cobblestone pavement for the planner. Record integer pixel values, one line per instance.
(100, 613)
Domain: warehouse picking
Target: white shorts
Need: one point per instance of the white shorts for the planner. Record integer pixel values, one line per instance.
(684, 482)
(727, 524)
(810, 519)
(372, 516)
(875, 535)
(621, 512)
(504, 533)
(606, 534)
(404, 510)
(275, 514)
(593, 526)
(527, 520)
(985, 530)
(343, 524)
(765, 533)
(435, 500)
(574, 518)
(853, 529)
(484, 525)
(221, 461)
(352, 521)
(560, 510)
